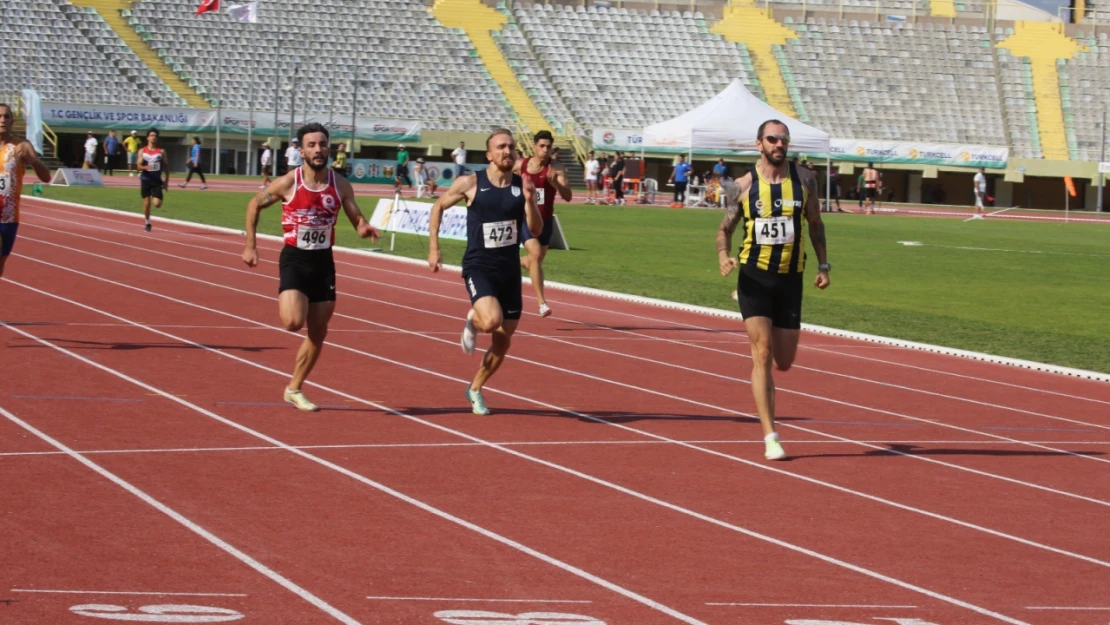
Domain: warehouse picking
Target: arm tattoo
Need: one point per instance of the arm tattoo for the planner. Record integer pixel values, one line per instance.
(731, 219)
(264, 199)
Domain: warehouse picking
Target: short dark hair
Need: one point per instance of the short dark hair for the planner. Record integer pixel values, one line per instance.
(196, 139)
(759, 133)
(870, 165)
(154, 130)
(496, 132)
(543, 134)
(311, 128)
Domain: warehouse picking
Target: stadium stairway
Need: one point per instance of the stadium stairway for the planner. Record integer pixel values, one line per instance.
(1044, 44)
(110, 11)
(942, 8)
(745, 23)
(478, 21)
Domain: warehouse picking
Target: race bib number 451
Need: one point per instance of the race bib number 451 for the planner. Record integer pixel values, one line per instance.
(314, 237)
(774, 230)
(499, 233)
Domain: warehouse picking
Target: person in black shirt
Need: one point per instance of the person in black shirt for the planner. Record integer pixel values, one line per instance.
(499, 204)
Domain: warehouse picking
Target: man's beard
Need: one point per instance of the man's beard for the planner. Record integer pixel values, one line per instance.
(773, 159)
(312, 164)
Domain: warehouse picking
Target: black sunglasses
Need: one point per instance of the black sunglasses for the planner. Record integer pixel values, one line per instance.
(773, 139)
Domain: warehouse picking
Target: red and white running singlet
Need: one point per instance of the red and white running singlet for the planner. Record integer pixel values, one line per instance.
(308, 220)
(545, 191)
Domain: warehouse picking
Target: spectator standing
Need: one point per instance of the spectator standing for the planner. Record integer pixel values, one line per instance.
(111, 151)
(593, 167)
(401, 172)
(132, 144)
(459, 156)
(616, 172)
(680, 176)
(293, 158)
(267, 162)
(90, 152)
(339, 165)
(720, 168)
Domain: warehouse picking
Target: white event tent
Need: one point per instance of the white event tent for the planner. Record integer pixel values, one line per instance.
(729, 122)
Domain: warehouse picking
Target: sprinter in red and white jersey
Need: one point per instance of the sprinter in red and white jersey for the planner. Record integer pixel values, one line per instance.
(312, 197)
(550, 178)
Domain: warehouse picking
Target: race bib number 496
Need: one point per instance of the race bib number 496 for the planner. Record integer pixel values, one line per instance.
(540, 196)
(499, 233)
(314, 237)
(774, 230)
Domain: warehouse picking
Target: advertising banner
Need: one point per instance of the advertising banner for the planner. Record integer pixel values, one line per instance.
(612, 139)
(380, 171)
(914, 153)
(58, 115)
(77, 178)
(413, 218)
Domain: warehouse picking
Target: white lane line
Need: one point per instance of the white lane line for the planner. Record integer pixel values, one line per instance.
(477, 600)
(1068, 607)
(752, 443)
(90, 212)
(813, 605)
(136, 593)
(621, 354)
(590, 478)
(730, 353)
(537, 402)
(641, 599)
(683, 325)
(273, 575)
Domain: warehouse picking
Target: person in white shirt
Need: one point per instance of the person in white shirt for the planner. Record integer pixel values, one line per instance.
(459, 154)
(293, 155)
(592, 168)
(980, 189)
(90, 153)
(267, 162)
(423, 181)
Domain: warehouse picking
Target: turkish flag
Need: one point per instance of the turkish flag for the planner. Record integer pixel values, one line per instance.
(208, 5)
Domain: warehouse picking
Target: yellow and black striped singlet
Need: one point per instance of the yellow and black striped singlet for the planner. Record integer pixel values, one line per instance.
(770, 211)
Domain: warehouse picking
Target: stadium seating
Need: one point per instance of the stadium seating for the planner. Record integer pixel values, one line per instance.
(1085, 89)
(413, 67)
(624, 68)
(65, 53)
(897, 81)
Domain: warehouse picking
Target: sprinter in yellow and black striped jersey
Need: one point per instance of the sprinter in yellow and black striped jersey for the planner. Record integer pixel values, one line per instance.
(771, 201)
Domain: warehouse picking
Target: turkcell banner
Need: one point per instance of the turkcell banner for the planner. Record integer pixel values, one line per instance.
(380, 171)
(615, 139)
(414, 217)
(912, 153)
(126, 118)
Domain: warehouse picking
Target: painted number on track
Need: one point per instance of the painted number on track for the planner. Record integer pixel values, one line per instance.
(157, 613)
(479, 617)
(896, 621)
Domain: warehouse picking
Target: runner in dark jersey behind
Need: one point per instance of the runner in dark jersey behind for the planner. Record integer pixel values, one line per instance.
(152, 170)
(549, 178)
(498, 204)
(311, 197)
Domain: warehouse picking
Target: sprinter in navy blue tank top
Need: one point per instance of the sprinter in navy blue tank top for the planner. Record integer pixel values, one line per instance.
(499, 204)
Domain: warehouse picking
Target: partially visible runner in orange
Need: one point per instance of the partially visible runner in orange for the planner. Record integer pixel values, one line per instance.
(16, 155)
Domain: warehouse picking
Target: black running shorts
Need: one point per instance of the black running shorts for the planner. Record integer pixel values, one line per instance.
(311, 272)
(775, 295)
(150, 188)
(504, 285)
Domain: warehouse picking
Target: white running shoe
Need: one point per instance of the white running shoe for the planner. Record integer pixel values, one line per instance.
(774, 450)
(300, 401)
(545, 310)
(180, 186)
(469, 334)
(203, 187)
(477, 402)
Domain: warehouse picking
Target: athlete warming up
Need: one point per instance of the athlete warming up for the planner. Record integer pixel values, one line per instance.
(771, 200)
(500, 204)
(311, 197)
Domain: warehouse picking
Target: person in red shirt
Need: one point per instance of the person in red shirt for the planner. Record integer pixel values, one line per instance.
(549, 177)
(154, 175)
(312, 197)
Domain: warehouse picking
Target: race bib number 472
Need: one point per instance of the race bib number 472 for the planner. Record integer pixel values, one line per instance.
(499, 233)
(314, 237)
(774, 230)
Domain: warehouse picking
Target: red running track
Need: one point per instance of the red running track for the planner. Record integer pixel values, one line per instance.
(152, 473)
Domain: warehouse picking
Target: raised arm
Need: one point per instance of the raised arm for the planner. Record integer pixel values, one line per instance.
(461, 188)
(816, 229)
(531, 211)
(278, 190)
(558, 178)
(31, 159)
(734, 190)
(354, 213)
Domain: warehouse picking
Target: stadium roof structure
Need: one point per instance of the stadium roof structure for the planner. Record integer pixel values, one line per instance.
(729, 122)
